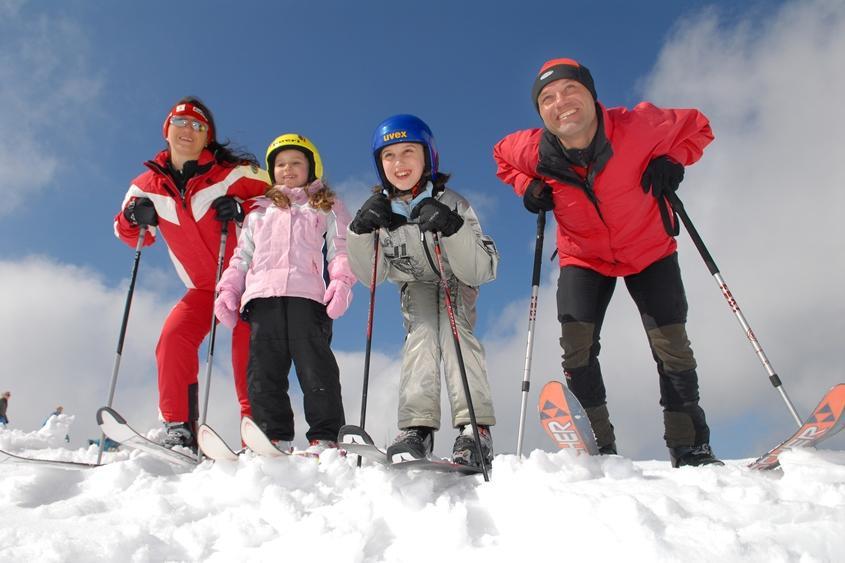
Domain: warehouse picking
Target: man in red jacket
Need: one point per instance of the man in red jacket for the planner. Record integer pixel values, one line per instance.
(190, 192)
(604, 173)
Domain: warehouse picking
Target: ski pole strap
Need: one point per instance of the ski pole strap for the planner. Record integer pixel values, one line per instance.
(670, 220)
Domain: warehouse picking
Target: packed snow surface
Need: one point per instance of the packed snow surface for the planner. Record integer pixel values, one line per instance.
(547, 506)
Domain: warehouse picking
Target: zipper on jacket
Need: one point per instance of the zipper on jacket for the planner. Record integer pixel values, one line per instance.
(428, 255)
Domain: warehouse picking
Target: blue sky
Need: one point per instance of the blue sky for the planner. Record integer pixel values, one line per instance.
(84, 88)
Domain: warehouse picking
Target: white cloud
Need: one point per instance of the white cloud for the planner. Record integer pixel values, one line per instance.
(60, 328)
(45, 90)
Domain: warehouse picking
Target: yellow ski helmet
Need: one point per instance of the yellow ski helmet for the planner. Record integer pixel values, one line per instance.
(300, 143)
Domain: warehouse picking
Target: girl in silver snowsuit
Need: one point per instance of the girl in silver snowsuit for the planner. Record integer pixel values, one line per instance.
(406, 211)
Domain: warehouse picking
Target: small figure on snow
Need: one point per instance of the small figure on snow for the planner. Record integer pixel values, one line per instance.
(280, 280)
(192, 190)
(4, 405)
(59, 410)
(407, 209)
(605, 173)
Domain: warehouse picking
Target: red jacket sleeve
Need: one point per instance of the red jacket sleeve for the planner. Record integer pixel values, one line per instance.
(123, 228)
(516, 158)
(251, 182)
(680, 134)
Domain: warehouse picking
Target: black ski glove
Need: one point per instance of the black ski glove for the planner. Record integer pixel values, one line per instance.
(141, 212)
(374, 214)
(435, 216)
(538, 197)
(663, 175)
(228, 209)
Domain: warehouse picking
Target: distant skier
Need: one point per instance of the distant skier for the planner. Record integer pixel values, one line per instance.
(277, 281)
(413, 188)
(59, 410)
(190, 190)
(594, 167)
(4, 405)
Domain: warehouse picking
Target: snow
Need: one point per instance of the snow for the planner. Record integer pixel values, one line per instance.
(549, 505)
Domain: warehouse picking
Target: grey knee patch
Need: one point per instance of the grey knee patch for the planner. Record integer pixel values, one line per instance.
(602, 428)
(576, 340)
(679, 429)
(672, 347)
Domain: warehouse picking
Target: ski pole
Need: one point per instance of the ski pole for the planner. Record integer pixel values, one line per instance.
(224, 234)
(678, 206)
(142, 233)
(369, 345)
(532, 317)
(451, 313)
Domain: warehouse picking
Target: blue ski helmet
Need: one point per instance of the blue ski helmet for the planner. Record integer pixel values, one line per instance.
(404, 128)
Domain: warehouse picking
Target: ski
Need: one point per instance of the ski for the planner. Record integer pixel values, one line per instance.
(825, 421)
(115, 427)
(355, 439)
(564, 419)
(7, 457)
(213, 446)
(256, 440)
(441, 465)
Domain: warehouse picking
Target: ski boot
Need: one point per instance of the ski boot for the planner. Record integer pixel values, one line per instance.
(179, 434)
(316, 447)
(465, 452)
(693, 456)
(284, 446)
(412, 443)
(608, 449)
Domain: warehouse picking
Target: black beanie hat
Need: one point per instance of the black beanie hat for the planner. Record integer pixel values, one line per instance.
(557, 69)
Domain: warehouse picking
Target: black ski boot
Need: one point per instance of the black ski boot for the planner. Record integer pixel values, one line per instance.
(465, 452)
(180, 434)
(694, 456)
(412, 443)
(608, 449)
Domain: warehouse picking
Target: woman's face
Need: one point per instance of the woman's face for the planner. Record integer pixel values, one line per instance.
(403, 164)
(185, 142)
(290, 169)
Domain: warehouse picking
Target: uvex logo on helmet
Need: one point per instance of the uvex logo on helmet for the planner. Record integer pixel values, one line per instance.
(395, 136)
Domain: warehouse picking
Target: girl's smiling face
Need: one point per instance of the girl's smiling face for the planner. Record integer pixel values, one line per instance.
(290, 169)
(403, 164)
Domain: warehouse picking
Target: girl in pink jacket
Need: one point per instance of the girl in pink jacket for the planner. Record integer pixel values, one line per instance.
(278, 282)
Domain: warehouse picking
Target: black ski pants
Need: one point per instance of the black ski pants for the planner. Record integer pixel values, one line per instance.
(583, 296)
(298, 330)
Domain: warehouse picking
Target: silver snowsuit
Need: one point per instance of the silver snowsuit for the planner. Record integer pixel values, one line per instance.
(406, 258)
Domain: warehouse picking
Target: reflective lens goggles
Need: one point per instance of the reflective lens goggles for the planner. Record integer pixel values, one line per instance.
(198, 126)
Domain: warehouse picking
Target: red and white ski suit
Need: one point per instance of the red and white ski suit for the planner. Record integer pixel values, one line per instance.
(189, 226)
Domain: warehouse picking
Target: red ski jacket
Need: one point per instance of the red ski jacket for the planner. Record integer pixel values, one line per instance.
(605, 221)
(188, 222)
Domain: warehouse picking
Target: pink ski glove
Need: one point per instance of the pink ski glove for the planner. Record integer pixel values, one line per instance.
(337, 298)
(227, 307)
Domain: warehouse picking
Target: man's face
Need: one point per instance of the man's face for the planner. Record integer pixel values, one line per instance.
(569, 111)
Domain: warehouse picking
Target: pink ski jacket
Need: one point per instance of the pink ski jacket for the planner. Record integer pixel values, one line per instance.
(280, 251)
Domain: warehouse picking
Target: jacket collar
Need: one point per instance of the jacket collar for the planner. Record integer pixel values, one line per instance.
(300, 196)
(160, 163)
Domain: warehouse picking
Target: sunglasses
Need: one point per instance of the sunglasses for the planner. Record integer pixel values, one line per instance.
(184, 122)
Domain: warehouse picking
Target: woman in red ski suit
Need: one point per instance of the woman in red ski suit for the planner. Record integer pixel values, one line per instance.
(191, 190)
(594, 167)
